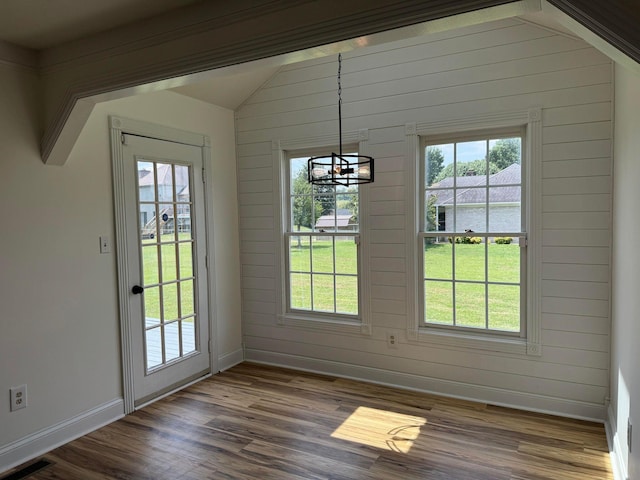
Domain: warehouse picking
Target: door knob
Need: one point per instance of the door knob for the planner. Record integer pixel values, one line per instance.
(137, 289)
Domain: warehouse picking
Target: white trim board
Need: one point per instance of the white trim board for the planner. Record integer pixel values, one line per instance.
(446, 388)
(38, 443)
(231, 359)
(615, 452)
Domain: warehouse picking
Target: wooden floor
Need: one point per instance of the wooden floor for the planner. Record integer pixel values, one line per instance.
(258, 422)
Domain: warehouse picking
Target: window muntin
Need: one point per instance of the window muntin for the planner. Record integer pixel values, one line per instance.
(472, 231)
(321, 241)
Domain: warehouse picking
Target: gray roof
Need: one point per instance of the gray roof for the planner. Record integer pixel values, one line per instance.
(472, 189)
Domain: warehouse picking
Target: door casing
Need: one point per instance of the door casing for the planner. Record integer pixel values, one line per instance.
(119, 126)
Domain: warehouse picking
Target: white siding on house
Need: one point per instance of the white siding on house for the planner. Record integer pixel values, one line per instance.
(494, 67)
(504, 218)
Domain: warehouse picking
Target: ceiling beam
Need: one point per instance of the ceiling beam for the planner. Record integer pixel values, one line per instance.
(180, 48)
(148, 58)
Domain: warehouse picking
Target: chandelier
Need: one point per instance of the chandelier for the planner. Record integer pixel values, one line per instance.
(339, 168)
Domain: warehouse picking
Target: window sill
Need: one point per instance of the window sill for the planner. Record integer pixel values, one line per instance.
(494, 343)
(324, 323)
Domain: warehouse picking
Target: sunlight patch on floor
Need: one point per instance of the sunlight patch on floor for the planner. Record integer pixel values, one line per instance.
(381, 429)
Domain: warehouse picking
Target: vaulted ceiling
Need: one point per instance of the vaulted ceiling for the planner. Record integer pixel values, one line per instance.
(49, 35)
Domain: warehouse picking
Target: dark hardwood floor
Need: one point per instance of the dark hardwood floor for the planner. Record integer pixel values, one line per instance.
(259, 422)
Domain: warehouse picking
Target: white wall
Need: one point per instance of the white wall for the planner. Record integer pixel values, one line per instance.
(625, 362)
(60, 331)
(492, 67)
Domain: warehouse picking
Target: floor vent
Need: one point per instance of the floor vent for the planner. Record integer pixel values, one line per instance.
(28, 470)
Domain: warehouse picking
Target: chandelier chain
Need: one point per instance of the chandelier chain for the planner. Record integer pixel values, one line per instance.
(340, 100)
(340, 169)
(340, 78)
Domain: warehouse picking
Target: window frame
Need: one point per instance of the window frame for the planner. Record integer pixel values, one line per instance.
(290, 233)
(418, 331)
(423, 233)
(282, 152)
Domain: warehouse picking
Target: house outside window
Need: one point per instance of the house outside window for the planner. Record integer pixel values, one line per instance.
(472, 233)
(162, 180)
(321, 245)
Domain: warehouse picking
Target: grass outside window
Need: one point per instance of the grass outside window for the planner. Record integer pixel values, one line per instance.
(333, 285)
(183, 278)
(493, 305)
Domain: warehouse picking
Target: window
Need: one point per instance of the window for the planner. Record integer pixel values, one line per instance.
(472, 233)
(321, 235)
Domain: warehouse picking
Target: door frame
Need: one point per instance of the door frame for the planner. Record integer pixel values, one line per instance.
(119, 126)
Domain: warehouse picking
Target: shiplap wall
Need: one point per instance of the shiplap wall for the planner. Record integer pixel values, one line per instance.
(494, 67)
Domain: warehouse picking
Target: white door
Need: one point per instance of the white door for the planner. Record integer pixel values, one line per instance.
(166, 245)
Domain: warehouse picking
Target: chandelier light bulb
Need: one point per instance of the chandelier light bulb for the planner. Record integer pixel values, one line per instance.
(364, 171)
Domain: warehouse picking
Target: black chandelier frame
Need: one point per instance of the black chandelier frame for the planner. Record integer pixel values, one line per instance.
(340, 168)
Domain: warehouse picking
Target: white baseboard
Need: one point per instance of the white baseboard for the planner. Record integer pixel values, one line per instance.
(613, 439)
(447, 388)
(229, 360)
(31, 446)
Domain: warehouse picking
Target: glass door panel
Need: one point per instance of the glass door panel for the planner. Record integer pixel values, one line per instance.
(167, 246)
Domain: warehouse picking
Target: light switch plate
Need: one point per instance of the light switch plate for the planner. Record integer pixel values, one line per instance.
(105, 244)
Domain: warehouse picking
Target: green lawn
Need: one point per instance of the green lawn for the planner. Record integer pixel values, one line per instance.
(151, 252)
(326, 260)
(501, 262)
(336, 261)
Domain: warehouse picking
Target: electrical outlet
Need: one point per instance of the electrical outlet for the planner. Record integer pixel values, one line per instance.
(392, 340)
(18, 397)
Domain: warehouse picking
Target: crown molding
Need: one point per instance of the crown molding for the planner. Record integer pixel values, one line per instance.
(14, 55)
